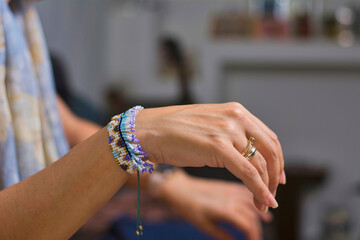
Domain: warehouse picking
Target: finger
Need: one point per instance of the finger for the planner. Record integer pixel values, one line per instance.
(255, 205)
(266, 217)
(273, 136)
(247, 221)
(269, 150)
(244, 193)
(282, 167)
(249, 203)
(258, 161)
(282, 178)
(214, 230)
(243, 169)
(259, 206)
(246, 198)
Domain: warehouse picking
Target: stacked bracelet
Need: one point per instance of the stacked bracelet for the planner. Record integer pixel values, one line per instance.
(126, 149)
(124, 145)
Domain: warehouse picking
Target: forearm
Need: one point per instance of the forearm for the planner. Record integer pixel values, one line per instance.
(58, 200)
(76, 129)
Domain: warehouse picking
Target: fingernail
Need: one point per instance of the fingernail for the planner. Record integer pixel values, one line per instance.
(272, 202)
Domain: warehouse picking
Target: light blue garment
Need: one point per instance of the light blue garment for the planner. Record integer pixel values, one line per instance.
(31, 135)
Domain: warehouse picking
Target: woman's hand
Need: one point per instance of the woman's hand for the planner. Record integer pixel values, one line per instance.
(215, 135)
(205, 203)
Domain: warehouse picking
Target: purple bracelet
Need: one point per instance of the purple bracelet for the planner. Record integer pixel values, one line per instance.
(124, 145)
(127, 151)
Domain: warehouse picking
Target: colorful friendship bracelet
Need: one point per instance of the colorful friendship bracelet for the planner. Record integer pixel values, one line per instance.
(124, 145)
(127, 151)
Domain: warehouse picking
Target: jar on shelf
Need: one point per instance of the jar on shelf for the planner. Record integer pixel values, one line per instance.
(302, 18)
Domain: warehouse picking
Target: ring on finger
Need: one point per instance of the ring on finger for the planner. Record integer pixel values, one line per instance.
(251, 153)
(250, 149)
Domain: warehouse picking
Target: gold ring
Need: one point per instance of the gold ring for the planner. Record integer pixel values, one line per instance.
(249, 145)
(250, 149)
(251, 153)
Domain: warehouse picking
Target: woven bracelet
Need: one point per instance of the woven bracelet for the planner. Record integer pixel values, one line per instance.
(126, 149)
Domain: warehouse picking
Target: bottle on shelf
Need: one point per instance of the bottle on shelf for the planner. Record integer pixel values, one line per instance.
(275, 20)
(302, 23)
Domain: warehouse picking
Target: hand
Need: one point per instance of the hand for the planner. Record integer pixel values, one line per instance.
(215, 135)
(205, 203)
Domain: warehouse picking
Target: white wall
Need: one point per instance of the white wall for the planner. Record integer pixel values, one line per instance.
(316, 116)
(79, 31)
(75, 31)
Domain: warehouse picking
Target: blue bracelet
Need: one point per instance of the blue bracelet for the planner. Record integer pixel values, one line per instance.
(127, 151)
(124, 145)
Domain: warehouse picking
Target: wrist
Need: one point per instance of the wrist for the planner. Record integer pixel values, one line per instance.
(161, 183)
(146, 133)
(124, 144)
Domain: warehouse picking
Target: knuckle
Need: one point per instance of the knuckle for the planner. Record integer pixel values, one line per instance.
(235, 110)
(218, 146)
(234, 105)
(276, 141)
(274, 137)
(217, 141)
(263, 164)
(273, 152)
(263, 193)
(251, 171)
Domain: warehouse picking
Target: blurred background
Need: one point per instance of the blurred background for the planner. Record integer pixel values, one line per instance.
(293, 63)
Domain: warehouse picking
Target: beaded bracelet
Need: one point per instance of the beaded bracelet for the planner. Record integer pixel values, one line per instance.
(126, 149)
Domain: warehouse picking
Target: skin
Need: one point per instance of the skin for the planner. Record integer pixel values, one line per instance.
(55, 202)
(239, 124)
(206, 203)
(215, 135)
(210, 201)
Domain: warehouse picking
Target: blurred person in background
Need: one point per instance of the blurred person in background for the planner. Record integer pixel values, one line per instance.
(174, 60)
(49, 195)
(173, 63)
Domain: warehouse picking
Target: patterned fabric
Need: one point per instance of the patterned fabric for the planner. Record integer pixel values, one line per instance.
(31, 135)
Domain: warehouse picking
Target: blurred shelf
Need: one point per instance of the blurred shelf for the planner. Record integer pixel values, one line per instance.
(301, 53)
(255, 56)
